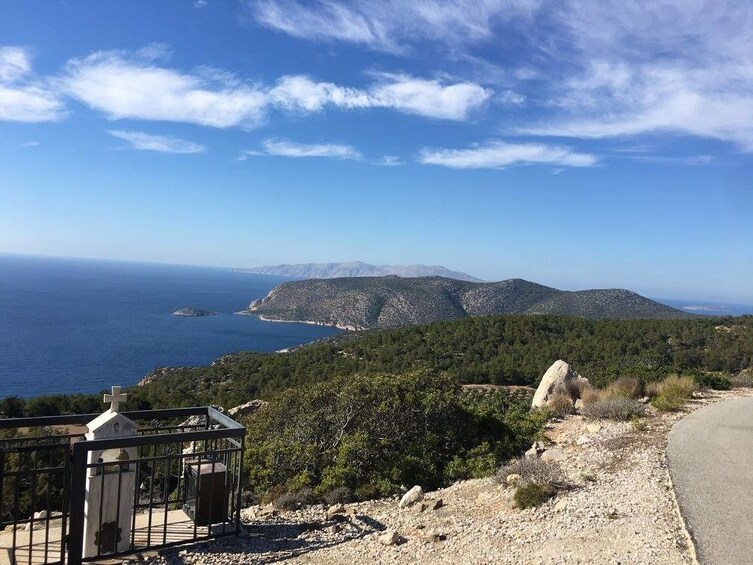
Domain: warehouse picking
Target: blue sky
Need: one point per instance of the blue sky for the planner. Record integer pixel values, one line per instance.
(578, 143)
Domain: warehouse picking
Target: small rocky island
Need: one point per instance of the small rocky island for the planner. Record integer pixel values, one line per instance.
(193, 312)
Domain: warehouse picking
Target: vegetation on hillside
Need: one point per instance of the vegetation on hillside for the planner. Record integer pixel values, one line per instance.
(507, 350)
(376, 435)
(386, 302)
(371, 414)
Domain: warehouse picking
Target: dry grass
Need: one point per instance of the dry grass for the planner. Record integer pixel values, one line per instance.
(590, 394)
(743, 379)
(575, 387)
(613, 408)
(560, 403)
(532, 471)
(626, 387)
(671, 394)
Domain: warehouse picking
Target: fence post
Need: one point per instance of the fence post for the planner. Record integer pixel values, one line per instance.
(240, 486)
(75, 540)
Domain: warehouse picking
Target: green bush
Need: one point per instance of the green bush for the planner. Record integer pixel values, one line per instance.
(476, 463)
(533, 494)
(713, 381)
(374, 434)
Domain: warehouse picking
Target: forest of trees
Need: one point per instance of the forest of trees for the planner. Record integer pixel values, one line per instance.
(496, 349)
(369, 413)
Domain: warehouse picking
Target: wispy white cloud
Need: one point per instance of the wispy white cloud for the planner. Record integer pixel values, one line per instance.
(124, 86)
(23, 97)
(160, 143)
(134, 86)
(671, 66)
(511, 98)
(592, 68)
(627, 101)
(14, 63)
(285, 148)
(389, 161)
(30, 144)
(498, 154)
(390, 25)
(403, 93)
(200, 3)
(429, 98)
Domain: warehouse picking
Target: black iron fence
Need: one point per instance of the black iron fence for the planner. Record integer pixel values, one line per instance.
(187, 475)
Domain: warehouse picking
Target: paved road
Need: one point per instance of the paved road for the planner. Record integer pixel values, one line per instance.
(711, 461)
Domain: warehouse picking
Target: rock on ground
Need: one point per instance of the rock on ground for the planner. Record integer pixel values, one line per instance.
(560, 373)
(245, 409)
(411, 497)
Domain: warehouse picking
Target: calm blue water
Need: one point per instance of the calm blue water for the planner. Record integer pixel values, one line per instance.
(69, 325)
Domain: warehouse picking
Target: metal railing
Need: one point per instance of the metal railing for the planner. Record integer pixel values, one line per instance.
(187, 472)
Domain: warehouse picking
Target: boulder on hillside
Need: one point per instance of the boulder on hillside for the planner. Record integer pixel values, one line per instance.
(560, 373)
(411, 497)
(245, 409)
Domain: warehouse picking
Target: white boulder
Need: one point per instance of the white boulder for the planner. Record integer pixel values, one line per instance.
(245, 409)
(560, 373)
(411, 497)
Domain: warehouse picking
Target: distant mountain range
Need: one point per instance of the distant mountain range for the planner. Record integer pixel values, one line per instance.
(357, 269)
(379, 302)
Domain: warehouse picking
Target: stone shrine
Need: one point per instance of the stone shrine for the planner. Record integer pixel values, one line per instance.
(110, 488)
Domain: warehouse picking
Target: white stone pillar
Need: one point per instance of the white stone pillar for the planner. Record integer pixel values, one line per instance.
(110, 489)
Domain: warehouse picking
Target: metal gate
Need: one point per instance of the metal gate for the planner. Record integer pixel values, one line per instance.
(35, 471)
(189, 468)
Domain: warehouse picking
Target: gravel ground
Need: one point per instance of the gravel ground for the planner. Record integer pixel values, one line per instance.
(620, 509)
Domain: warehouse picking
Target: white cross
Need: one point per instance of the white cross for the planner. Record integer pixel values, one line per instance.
(115, 398)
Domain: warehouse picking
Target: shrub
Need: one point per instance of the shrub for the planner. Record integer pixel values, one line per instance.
(533, 494)
(532, 471)
(613, 408)
(743, 379)
(714, 381)
(338, 495)
(287, 501)
(672, 393)
(477, 463)
(271, 494)
(560, 403)
(373, 434)
(295, 500)
(652, 389)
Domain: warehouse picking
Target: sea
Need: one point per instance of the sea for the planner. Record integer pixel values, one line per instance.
(75, 325)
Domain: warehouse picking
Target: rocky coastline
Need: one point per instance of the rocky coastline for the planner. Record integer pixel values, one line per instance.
(255, 305)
